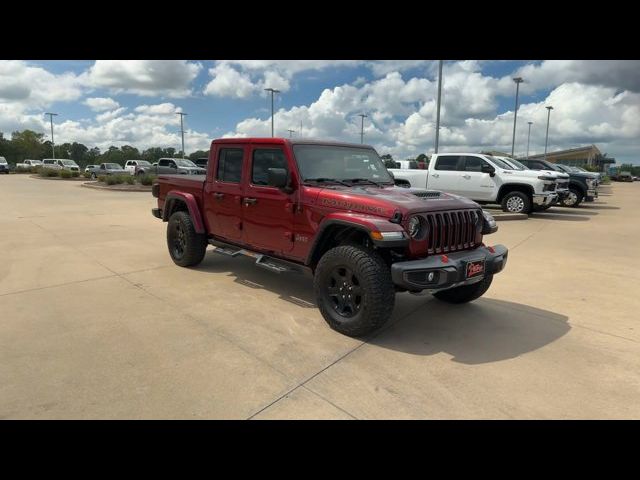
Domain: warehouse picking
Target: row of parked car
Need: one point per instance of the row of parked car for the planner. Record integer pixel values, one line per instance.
(519, 186)
(174, 166)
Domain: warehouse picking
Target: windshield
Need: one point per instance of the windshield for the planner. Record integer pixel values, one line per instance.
(340, 163)
(68, 162)
(499, 162)
(517, 164)
(184, 163)
(112, 166)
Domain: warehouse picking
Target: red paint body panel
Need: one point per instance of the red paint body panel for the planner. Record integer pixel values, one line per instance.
(285, 224)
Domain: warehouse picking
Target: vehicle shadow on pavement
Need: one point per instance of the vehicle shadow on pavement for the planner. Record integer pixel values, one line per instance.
(560, 216)
(484, 331)
(599, 207)
(568, 211)
(291, 287)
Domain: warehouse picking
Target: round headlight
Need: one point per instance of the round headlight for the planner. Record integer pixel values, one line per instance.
(414, 227)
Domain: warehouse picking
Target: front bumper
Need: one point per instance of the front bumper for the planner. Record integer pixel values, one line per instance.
(157, 212)
(544, 198)
(414, 274)
(591, 195)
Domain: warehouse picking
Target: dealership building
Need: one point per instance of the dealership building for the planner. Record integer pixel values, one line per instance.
(578, 157)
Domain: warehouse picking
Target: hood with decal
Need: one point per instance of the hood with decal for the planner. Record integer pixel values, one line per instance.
(386, 201)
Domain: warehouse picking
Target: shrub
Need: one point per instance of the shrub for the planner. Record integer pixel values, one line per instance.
(75, 174)
(129, 179)
(22, 170)
(65, 174)
(86, 174)
(49, 172)
(146, 179)
(102, 178)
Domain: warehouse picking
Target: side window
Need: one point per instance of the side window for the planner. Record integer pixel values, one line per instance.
(230, 165)
(102, 167)
(536, 166)
(263, 160)
(163, 163)
(473, 164)
(447, 162)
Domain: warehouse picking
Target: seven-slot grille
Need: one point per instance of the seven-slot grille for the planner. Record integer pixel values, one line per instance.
(549, 187)
(453, 230)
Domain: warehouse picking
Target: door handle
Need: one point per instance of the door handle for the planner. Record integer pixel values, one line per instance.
(435, 175)
(218, 196)
(250, 201)
(466, 176)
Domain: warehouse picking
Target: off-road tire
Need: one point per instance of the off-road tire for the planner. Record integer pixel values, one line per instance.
(579, 197)
(465, 293)
(377, 292)
(180, 230)
(519, 197)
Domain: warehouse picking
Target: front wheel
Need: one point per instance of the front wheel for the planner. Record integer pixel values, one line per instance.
(354, 290)
(465, 293)
(574, 198)
(186, 247)
(93, 176)
(516, 202)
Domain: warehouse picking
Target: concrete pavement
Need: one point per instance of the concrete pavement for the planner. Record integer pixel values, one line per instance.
(97, 322)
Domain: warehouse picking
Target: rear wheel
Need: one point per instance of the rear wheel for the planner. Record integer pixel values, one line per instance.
(516, 202)
(354, 290)
(574, 198)
(93, 176)
(186, 247)
(465, 293)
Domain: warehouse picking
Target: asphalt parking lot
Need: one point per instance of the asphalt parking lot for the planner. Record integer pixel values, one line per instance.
(97, 322)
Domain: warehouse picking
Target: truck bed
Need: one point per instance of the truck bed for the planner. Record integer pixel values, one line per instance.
(193, 184)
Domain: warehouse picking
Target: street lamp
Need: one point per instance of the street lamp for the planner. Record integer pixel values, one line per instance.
(546, 140)
(272, 90)
(363, 116)
(438, 107)
(518, 81)
(182, 129)
(528, 138)
(290, 133)
(53, 150)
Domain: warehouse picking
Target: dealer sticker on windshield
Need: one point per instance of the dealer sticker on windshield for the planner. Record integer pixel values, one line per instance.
(475, 268)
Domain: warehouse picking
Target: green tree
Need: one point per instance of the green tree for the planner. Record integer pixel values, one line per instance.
(130, 153)
(199, 154)
(26, 144)
(77, 153)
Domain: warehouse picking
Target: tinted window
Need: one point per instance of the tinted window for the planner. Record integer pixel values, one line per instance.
(535, 165)
(263, 160)
(473, 164)
(163, 163)
(230, 165)
(447, 162)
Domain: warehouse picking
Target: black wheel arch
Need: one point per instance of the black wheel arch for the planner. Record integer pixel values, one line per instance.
(514, 187)
(333, 233)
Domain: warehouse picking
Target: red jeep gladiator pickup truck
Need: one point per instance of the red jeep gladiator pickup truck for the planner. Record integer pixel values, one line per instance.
(331, 210)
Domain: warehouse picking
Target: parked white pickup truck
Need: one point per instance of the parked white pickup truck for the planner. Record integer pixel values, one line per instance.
(130, 165)
(60, 164)
(484, 179)
(29, 164)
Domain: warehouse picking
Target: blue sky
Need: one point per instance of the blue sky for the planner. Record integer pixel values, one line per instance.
(101, 103)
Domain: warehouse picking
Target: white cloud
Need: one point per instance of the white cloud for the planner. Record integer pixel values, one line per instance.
(171, 78)
(100, 104)
(228, 82)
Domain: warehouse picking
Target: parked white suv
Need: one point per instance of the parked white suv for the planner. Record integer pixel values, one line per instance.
(484, 179)
(130, 165)
(4, 166)
(60, 164)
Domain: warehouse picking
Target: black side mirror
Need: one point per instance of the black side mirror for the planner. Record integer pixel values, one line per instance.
(486, 168)
(278, 177)
(173, 165)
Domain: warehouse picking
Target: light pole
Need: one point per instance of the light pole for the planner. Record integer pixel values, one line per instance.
(272, 90)
(528, 138)
(546, 140)
(362, 117)
(290, 133)
(518, 81)
(438, 107)
(182, 129)
(53, 149)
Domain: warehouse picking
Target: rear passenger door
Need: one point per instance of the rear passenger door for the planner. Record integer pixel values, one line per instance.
(224, 192)
(445, 175)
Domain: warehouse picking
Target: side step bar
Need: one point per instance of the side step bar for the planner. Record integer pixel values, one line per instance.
(264, 261)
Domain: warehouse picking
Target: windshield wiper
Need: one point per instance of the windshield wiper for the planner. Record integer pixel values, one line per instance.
(362, 180)
(326, 180)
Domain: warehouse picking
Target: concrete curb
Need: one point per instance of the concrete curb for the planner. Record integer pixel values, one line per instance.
(111, 189)
(77, 179)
